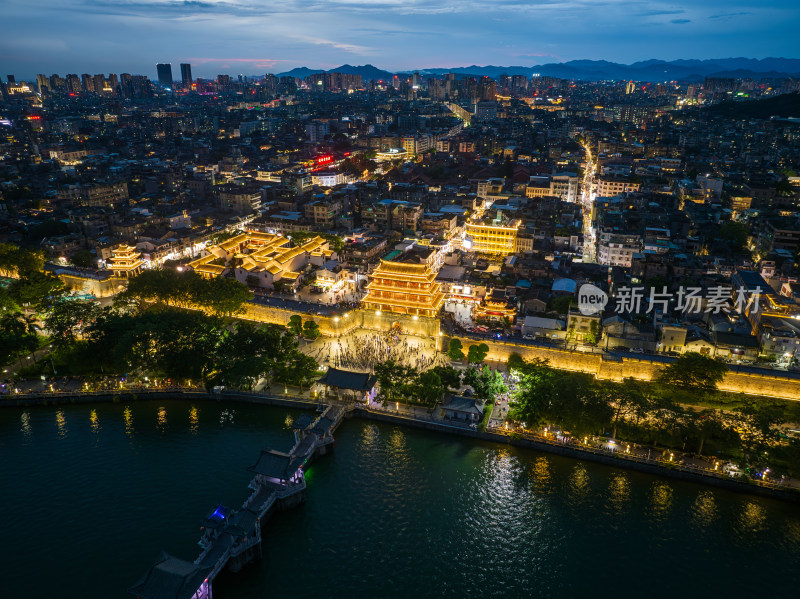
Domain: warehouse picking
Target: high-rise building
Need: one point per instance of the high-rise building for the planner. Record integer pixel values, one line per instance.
(486, 88)
(164, 74)
(113, 83)
(186, 75)
(42, 82)
(99, 83)
(57, 83)
(73, 83)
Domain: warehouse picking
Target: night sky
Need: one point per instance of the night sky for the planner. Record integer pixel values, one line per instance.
(259, 36)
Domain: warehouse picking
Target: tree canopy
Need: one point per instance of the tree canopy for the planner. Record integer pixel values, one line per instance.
(218, 295)
(694, 371)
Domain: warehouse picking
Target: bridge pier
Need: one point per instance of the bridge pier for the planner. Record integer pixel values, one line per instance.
(248, 556)
(292, 501)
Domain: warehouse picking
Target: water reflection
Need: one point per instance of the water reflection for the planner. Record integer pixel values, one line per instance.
(542, 477)
(619, 491)
(705, 509)
(194, 421)
(753, 518)
(25, 424)
(369, 436)
(397, 448)
(61, 423)
(161, 419)
(127, 416)
(226, 416)
(578, 484)
(94, 421)
(661, 500)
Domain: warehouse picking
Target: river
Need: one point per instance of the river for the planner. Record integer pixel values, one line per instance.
(92, 493)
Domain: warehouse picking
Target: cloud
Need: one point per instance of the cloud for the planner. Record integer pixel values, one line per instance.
(728, 15)
(262, 63)
(680, 21)
(344, 46)
(656, 13)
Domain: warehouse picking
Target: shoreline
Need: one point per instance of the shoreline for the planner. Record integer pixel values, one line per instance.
(674, 471)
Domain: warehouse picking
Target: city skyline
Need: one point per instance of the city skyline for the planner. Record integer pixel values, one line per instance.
(242, 37)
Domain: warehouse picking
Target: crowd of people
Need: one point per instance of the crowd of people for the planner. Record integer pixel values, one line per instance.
(363, 352)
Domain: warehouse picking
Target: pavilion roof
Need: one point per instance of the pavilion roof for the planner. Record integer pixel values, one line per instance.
(276, 464)
(348, 379)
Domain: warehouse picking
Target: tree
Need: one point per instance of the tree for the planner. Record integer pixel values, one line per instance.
(295, 324)
(735, 234)
(758, 424)
(626, 399)
(224, 297)
(477, 353)
(561, 304)
(36, 289)
(17, 335)
(67, 319)
(455, 350)
(693, 371)
(83, 259)
(335, 242)
(515, 362)
(311, 330)
(428, 387)
(591, 336)
(6, 303)
(449, 377)
(220, 296)
(298, 370)
(392, 376)
(705, 425)
(248, 352)
(486, 382)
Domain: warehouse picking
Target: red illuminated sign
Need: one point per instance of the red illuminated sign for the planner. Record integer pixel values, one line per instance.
(324, 159)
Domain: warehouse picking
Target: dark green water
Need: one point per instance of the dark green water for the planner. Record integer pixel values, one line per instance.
(91, 494)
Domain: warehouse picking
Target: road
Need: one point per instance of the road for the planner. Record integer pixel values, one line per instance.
(587, 199)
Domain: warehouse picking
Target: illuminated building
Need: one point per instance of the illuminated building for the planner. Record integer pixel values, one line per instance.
(265, 259)
(496, 306)
(404, 284)
(126, 261)
(492, 237)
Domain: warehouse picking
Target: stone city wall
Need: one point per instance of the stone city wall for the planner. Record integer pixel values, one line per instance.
(90, 286)
(770, 385)
(332, 326)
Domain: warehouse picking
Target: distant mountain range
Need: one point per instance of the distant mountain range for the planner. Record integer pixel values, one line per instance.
(367, 72)
(595, 70)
